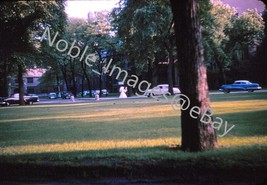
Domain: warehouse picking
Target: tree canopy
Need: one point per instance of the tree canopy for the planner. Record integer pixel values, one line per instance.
(20, 23)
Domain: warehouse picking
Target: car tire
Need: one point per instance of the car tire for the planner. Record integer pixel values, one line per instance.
(226, 91)
(250, 90)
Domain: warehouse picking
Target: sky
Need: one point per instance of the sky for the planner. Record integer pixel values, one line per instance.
(243, 5)
(80, 8)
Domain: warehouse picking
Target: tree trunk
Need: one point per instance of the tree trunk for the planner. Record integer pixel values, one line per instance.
(21, 84)
(222, 79)
(100, 71)
(74, 87)
(176, 73)
(155, 75)
(196, 135)
(83, 85)
(4, 76)
(4, 86)
(64, 73)
(83, 65)
(170, 67)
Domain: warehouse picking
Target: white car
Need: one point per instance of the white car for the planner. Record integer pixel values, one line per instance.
(161, 90)
(104, 92)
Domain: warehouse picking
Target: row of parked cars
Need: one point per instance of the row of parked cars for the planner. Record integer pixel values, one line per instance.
(14, 99)
(239, 85)
(94, 92)
(64, 95)
(67, 95)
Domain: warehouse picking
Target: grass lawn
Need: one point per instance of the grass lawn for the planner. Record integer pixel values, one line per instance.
(142, 129)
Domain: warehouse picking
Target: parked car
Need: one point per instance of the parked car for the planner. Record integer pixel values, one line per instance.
(104, 92)
(52, 95)
(66, 95)
(34, 97)
(85, 93)
(240, 85)
(161, 90)
(28, 99)
(2, 102)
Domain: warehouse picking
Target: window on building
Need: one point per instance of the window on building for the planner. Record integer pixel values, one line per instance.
(29, 80)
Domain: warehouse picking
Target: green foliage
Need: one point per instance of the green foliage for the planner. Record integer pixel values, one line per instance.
(20, 20)
(229, 39)
(247, 29)
(216, 18)
(48, 79)
(144, 29)
(21, 23)
(85, 33)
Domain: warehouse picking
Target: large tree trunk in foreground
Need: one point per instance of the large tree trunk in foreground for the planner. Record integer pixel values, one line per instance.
(196, 135)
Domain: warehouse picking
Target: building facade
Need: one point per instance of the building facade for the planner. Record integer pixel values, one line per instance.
(31, 81)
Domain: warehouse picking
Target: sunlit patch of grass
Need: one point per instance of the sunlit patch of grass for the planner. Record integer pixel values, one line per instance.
(239, 106)
(123, 144)
(242, 141)
(90, 145)
(112, 114)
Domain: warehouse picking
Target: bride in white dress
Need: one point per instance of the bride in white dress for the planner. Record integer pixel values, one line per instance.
(123, 92)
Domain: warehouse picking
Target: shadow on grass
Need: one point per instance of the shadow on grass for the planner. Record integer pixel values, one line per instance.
(242, 164)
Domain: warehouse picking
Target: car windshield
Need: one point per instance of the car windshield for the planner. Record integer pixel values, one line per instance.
(15, 96)
(242, 82)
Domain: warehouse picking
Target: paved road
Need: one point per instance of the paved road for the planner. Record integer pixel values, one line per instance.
(80, 100)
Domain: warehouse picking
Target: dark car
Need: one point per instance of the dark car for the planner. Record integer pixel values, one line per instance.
(66, 95)
(240, 85)
(2, 102)
(28, 99)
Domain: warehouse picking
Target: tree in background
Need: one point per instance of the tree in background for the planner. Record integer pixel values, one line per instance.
(145, 30)
(245, 36)
(196, 135)
(20, 22)
(259, 64)
(216, 17)
(92, 36)
(230, 41)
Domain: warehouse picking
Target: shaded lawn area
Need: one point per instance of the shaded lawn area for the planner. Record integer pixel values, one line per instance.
(131, 132)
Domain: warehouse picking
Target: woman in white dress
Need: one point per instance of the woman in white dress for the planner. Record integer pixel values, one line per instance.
(123, 92)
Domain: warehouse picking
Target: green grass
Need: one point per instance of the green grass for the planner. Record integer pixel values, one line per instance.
(131, 129)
